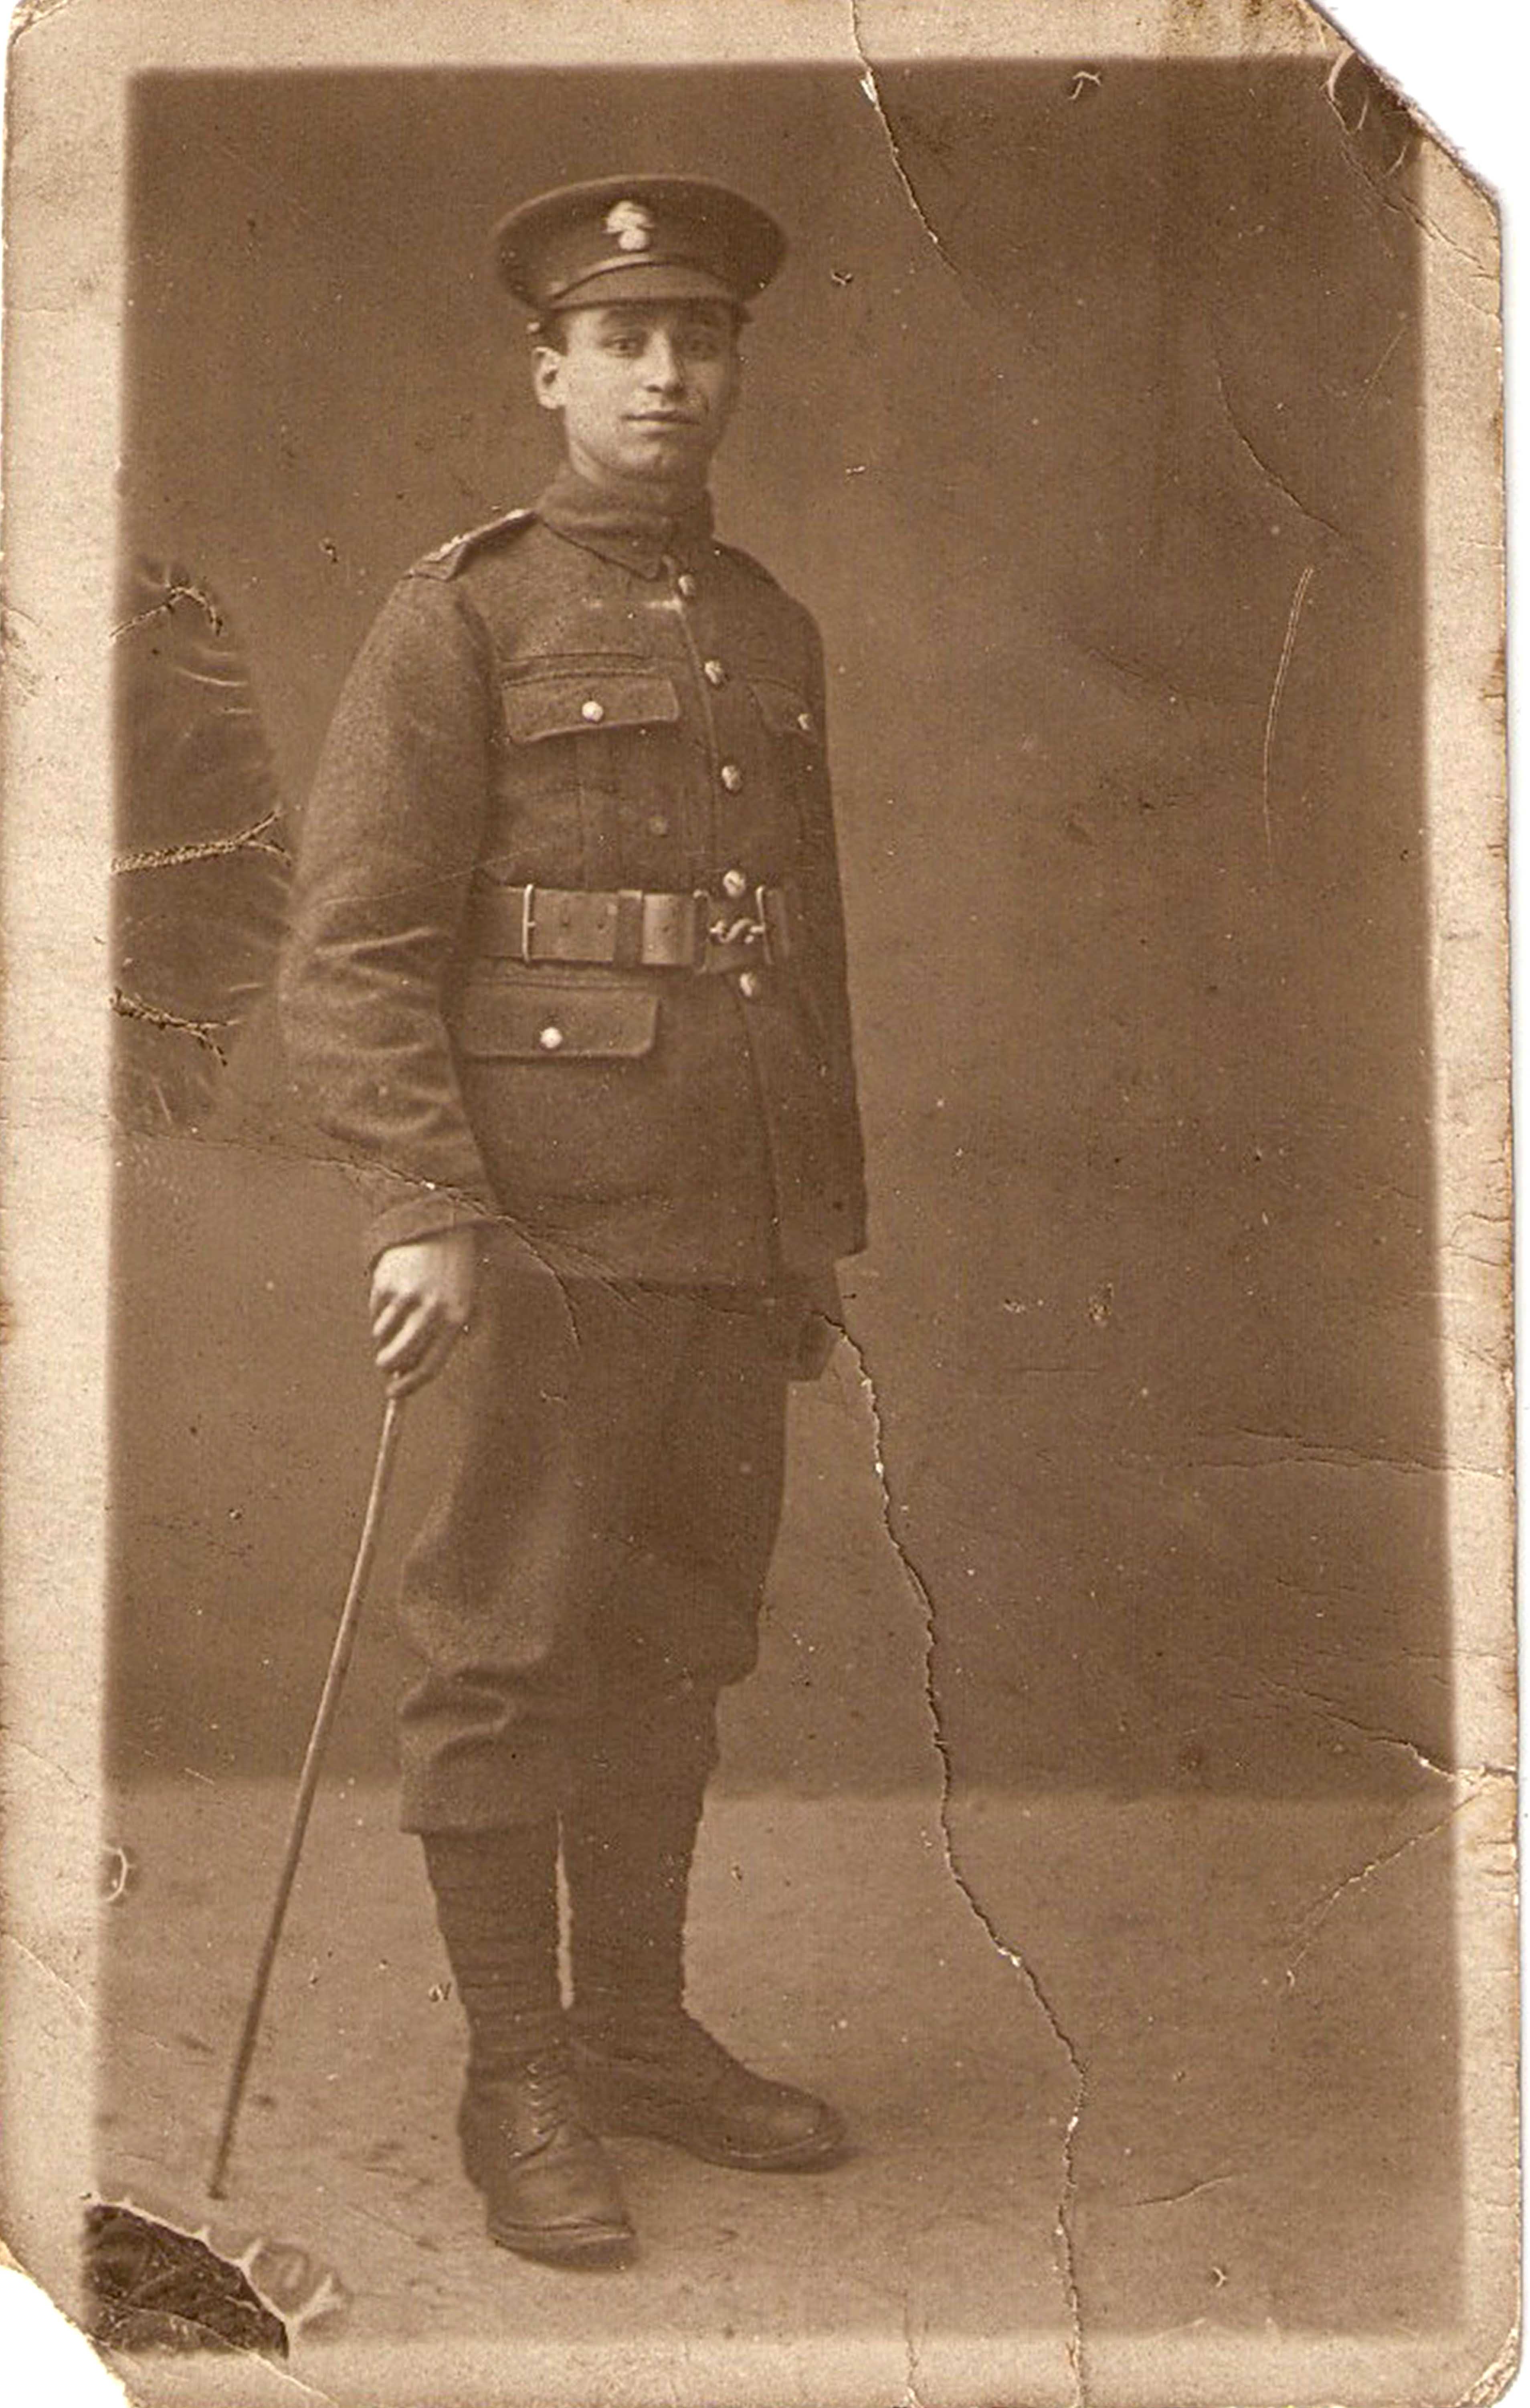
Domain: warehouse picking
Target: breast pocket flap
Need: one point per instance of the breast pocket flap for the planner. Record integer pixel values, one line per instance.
(785, 710)
(564, 704)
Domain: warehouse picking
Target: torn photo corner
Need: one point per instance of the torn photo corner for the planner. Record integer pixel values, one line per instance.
(1116, 1824)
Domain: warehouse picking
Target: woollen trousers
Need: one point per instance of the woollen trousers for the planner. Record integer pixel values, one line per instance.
(594, 1560)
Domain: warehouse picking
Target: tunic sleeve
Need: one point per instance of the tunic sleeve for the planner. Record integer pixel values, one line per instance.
(389, 844)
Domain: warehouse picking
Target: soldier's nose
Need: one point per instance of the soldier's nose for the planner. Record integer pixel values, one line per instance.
(665, 371)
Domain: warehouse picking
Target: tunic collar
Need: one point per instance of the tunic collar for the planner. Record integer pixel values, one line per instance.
(622, 531)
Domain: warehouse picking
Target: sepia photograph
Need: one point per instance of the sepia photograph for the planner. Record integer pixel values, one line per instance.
(757, 1578)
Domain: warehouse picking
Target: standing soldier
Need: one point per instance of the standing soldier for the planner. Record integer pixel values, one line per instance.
(567, 978)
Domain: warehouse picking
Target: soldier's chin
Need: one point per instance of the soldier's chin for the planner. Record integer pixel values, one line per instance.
(673, 445)
(668, 462)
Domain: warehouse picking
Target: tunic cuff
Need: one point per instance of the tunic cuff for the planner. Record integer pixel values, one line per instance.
(425, 1212)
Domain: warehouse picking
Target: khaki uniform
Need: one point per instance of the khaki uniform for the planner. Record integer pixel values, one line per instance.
(567, 960)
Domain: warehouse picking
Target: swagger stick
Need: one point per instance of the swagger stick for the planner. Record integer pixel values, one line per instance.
(345, 1638)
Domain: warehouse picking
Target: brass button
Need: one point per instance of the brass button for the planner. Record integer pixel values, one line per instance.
(714, 672)
(749, 985)
(804, 720)
(732, 776)
(658, 824)
(735, 884)
(549, 1037)
(686, 585)
(591, 709)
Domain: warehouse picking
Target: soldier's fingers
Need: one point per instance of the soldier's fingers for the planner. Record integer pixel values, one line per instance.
(402, 1350)
(429, 1326)
(389, 1312)
(403, 1383)
(431, 1360)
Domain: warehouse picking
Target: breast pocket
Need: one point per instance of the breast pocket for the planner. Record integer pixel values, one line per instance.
(598, 740)
(790, 734)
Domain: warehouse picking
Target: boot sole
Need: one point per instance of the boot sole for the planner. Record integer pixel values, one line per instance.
(797, 2156)
(591, 2249)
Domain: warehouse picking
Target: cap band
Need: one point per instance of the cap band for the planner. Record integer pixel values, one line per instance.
(629, 280)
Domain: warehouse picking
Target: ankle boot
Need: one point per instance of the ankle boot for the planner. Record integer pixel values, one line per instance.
(551, 2191)
(644, 2065)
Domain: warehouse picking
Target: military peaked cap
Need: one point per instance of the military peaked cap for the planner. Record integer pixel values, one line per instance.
(638, 239)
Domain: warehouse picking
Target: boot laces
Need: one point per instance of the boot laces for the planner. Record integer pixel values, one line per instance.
(549, 2091)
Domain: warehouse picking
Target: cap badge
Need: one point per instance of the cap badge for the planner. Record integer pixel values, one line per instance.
(631, 224)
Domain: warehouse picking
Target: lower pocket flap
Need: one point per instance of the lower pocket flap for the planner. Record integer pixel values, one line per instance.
(549, 1023)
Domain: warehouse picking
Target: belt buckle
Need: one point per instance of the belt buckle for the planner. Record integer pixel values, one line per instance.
(741, 930)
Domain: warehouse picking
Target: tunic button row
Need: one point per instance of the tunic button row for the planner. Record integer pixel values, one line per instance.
(549, 1037)
(686, 586)
(592, 710)
(732, 776)
(714, 672)
(734, 884)
(804, 720)
(749, 985)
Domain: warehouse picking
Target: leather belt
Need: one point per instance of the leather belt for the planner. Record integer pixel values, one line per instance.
(625, 929)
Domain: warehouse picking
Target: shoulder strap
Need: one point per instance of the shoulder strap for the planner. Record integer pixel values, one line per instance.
(449, 558)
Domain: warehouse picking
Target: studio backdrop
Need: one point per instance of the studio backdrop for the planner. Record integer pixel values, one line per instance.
(1085, 418)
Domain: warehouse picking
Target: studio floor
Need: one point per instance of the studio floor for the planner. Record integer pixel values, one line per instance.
(1161, 2100)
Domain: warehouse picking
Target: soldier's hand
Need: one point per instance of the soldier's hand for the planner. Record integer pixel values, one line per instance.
(421, 1296)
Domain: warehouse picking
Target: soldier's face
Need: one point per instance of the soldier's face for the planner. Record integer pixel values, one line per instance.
(645, 390)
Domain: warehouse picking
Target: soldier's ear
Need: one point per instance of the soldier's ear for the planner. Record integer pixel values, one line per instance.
(547, 372)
